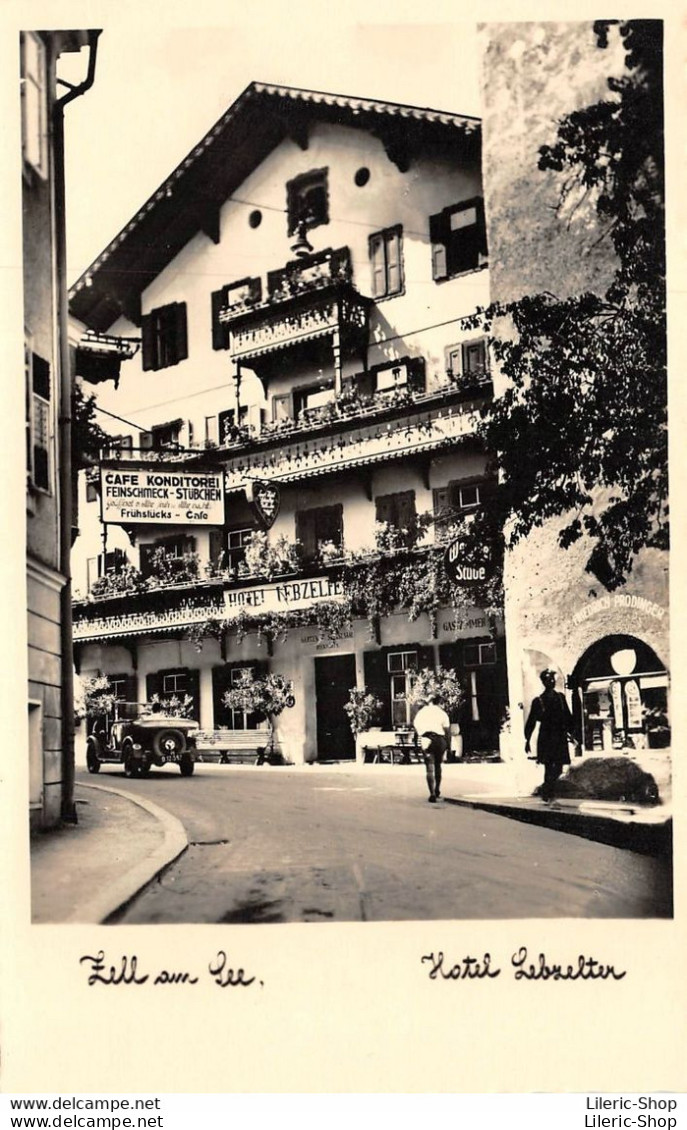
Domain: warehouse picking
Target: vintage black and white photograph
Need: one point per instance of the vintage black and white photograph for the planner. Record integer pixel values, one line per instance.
(346, 475)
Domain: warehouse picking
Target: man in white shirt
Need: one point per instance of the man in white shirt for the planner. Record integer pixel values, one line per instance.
(432, 726)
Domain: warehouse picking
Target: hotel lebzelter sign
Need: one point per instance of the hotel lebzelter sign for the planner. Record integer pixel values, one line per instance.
(161, 495)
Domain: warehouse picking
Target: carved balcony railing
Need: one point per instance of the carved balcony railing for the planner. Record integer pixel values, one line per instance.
(307, 299)
(139, 615)
(374, 442)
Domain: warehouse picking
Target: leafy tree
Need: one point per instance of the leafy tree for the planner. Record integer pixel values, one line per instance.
(87, 435)
(580, 434)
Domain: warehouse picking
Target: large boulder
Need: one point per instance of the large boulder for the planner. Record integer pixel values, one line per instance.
(608, 778)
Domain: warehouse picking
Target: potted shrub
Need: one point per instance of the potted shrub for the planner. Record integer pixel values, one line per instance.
(362, 710)
(267, 697)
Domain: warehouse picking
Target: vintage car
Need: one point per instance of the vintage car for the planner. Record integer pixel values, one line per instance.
(138, 736)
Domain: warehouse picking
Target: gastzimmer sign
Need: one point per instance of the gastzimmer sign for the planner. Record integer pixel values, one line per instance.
(459, 570)
(161, 494)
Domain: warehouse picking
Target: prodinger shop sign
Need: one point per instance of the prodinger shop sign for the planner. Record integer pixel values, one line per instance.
(160, 495)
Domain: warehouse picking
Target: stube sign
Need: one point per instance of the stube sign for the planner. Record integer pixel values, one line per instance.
(161, 495)
(461, 571)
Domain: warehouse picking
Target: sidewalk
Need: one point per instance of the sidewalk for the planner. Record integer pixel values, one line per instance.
(84, 872)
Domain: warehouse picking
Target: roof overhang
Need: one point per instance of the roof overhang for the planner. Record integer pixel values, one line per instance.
(189, 200)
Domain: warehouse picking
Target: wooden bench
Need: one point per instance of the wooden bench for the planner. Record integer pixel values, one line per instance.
(235, 747)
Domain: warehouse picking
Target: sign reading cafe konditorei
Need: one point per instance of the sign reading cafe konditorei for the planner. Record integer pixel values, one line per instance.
(160, 494)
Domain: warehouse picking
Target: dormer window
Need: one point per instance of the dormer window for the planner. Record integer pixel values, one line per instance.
(307, 200)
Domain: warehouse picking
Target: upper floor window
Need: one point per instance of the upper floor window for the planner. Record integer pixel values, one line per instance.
(167, 555)
(397, 510)
(104, 564)
(458, 238)
(313, 396)
(457, 498)
(386, 259)
(34, 110)
(307, 200)
(162, 435)
(164, 336)
(38, 420)
(318, 527)
(115, 444)
(230, 423)
(404, 375)
(468, 360)
(237, 540)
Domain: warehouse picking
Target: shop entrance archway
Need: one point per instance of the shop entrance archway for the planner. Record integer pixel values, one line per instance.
(620, 688)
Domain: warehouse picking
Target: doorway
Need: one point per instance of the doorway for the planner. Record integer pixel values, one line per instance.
(334, 676)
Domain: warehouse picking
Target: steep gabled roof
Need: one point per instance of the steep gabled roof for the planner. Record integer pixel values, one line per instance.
(190, 198)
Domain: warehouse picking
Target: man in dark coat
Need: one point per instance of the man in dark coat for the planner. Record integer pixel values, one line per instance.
(552, 713)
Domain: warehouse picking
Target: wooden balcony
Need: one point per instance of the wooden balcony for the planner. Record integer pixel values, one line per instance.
(416, 433)
(307, 299)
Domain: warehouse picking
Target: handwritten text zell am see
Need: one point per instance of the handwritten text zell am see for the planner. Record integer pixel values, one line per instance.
(127, 971)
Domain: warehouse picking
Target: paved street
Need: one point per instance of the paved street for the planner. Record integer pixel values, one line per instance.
(319, 845)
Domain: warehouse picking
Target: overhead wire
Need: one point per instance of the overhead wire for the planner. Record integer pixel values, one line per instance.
(220, 387)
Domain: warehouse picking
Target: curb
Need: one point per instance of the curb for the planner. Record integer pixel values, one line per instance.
(123, 889)
(632, 835)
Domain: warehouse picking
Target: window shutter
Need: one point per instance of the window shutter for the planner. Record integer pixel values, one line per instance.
(437, 235)
(147, 552)
(40, 423)
(384, 508)
(180, 332)
(378, 265)
(334, 526)
(425, 656)
(393, 262)
(220, 335)
(41, 443)
(40, 369)
(216, 546)
(92, 571)
(405, 508)
(281, 407)
(481, 228)
(378, 683)
(221, 682)
(131, 689)
(147, 342)
(439, 265)
(153, 684)
(440, 499)
(306, 534)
